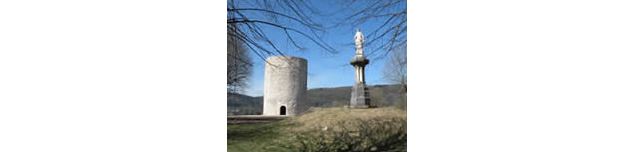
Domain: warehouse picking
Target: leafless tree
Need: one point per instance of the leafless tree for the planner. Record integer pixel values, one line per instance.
(238, 64)
(395, 68)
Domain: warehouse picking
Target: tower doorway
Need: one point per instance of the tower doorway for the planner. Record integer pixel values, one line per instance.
(283, 110)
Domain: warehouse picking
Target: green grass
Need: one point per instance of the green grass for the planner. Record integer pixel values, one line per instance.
(252, 137)
(324, 129)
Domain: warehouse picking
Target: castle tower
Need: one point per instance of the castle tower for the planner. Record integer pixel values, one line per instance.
(359, 95)
(285, 86)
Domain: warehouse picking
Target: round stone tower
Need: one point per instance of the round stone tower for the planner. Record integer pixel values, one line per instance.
(285, 86)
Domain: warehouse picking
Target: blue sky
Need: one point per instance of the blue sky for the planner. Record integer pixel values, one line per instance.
(324, 69)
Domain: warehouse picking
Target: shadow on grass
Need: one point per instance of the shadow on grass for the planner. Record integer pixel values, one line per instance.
(249, 131)
(254, 137)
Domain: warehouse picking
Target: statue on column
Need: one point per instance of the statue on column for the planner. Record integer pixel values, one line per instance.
(359, 95)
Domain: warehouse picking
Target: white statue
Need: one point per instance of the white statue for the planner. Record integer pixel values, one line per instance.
(359, 40)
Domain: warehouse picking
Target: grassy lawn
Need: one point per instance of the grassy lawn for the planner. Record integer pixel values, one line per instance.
(324, 129)
(253, 137)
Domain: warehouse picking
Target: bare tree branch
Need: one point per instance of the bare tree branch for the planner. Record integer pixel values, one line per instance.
(388, 35)
(249, 18)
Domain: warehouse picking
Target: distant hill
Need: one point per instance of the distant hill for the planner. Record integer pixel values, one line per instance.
(238, 104)
(381, 95)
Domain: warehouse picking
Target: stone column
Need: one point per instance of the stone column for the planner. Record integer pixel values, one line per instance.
(359, 94)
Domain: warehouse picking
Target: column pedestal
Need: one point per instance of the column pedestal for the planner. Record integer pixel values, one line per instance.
(359, 96)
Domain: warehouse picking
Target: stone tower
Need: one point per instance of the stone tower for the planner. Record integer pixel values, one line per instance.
(359, 95)
(285, 86)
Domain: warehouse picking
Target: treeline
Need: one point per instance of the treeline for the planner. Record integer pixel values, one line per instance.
(381, 96)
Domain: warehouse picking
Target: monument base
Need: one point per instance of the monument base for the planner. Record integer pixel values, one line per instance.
(359, 96)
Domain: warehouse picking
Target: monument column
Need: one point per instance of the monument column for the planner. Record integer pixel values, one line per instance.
(359, 95)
